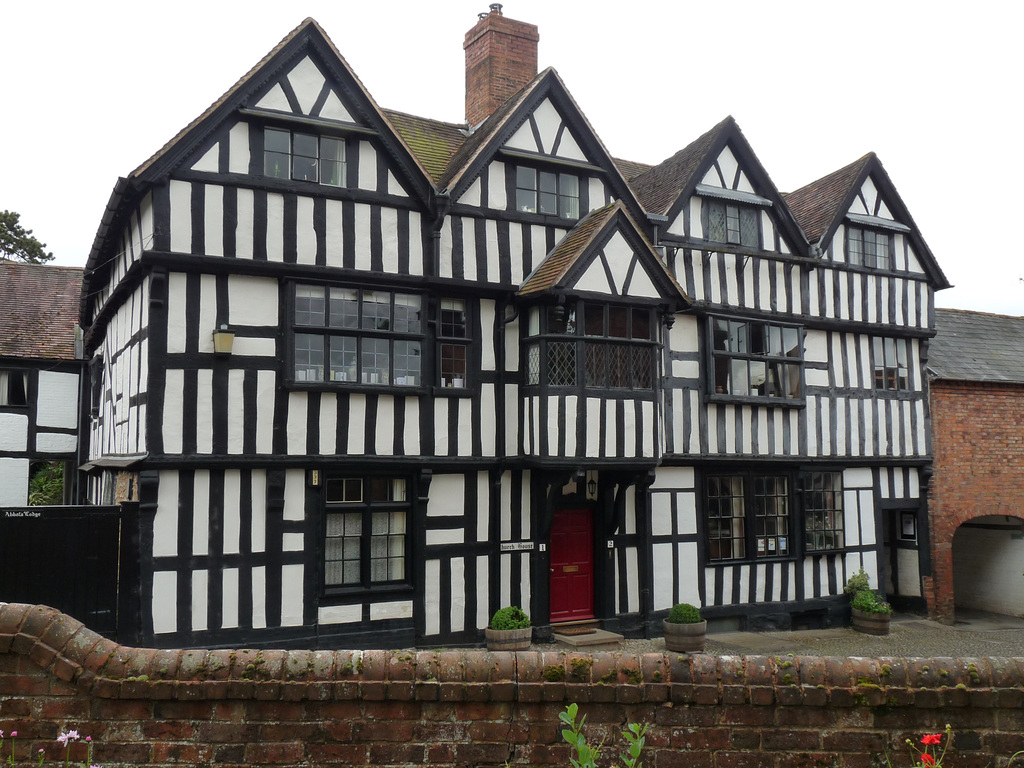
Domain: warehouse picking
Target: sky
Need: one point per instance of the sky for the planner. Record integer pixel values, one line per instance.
(934, 89)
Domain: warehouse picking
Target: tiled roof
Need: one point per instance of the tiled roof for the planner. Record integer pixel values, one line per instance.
(630, 169)
(38, 310)
(816, 205)
(569, 249)
(976, 346)
(432, 141)
(659, 187)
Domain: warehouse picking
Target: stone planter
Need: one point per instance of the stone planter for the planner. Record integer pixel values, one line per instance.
(686, 638)
(508, 639)
(870, 623)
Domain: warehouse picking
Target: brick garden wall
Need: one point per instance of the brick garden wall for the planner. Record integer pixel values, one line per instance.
(978, 445)
(472, 708)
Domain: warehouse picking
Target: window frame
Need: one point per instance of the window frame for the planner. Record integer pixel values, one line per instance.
(822, 499)
(738, 210)
(781, 372)
(357, 355)
(366, 506)
(566, 205)
(573, 340)
(446, 342)
(858, 254)
(13, 396)
(318, 161)
(886, 377)
(777, 546)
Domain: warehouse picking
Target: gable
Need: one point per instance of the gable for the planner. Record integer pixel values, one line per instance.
(306, 92)
(546, 133)
(617, 270)
(725, 173)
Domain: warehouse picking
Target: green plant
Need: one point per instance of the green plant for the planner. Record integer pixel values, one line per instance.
(858, 582)
(46, 486)
(683, 613)
(586, 755)
(867, 601)
(65, 739)
(511, 617)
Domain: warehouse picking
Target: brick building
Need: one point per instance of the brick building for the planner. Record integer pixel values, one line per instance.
(976, 367)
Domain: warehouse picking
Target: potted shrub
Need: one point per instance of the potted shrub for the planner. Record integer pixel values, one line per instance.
(510, 630)
(856, 583)
(870, 615)
(684, 629)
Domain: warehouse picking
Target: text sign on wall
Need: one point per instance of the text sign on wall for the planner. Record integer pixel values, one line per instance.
(517, 546)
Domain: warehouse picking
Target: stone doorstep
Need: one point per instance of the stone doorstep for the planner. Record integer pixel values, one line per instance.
(600, 640)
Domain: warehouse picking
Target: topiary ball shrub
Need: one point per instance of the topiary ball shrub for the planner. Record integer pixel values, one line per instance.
(512, 617)
(684, 613)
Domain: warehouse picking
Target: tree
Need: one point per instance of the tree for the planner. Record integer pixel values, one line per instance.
(18, 243)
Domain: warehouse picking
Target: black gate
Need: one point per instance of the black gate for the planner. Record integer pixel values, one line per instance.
(80, 560)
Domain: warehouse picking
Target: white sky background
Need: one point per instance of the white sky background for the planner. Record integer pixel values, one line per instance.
(93, 89)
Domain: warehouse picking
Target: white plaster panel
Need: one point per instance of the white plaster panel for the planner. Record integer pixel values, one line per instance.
(523, 139)
(50, 442)
(328, 423)
(594, 279)
(362, 237)
(173, 416)
(340, 614)
(743, 184)
(496, 197)
(292, 595)
(238, 148)
(446, 536)
(214, 219)
(165, 602)
(229, 599)
(389, 237)
(252, 301)
(201, 513)
(548, 121)
(335, 233)
(411, 442)
(568, 148)
(209, 162)
(258, 532)
(446, 496)
(384, 433)
(488, 405)
(13, 432)
(245, 207)
(200, 600)
(265, 394)
(236, 415)
(483, 613)
(597, 194)
(292, 542)
(472, 194)
(13, 482)
(204, 411)
(294, 495)
(259, 597)
(307, 82)
(333, 109)
(275, 99)
(232, 526)
(175, 312)
(305, 234)
(399, 609)
(469, 250)
(275, 227)
(367, 166)
(357, 416)
(415, 245)
(432, 597)
(180, 194)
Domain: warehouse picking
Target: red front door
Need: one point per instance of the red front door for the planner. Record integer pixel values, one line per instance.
(572, 565)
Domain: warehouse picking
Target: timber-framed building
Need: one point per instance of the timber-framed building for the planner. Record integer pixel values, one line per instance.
(488, 364)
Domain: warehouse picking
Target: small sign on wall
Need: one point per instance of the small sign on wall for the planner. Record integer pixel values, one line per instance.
(517, 546)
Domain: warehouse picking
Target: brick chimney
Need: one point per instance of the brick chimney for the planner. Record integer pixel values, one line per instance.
(501, 57)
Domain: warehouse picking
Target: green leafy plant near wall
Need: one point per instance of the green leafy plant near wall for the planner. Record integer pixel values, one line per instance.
(587, 754)
(511, 617)
(683, 613)
(867, 601)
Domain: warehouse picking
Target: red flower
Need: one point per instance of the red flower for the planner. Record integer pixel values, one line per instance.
(927, 760)
(931, 738)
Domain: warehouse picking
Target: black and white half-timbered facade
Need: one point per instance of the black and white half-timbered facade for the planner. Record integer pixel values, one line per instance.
(372, 376)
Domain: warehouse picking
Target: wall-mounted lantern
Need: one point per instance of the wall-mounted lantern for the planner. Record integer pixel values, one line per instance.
(591, 485)
(223, 340)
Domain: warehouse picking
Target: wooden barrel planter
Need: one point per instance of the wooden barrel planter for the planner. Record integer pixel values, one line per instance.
(508, 639)
(870, 623)
(685, 638)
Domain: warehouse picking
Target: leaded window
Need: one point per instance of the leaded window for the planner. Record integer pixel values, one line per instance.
(357, 336)
(751, 358)
(367, 521)
(303, 157)
(595, 345)
(453, 342)
(823, 512)
(732, 223)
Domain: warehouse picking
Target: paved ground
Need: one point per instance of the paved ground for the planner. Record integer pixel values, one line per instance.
(974, 634)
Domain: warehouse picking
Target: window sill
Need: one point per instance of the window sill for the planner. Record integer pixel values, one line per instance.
(439, 391)
(772, 402)
(341, 595)
(353, 386)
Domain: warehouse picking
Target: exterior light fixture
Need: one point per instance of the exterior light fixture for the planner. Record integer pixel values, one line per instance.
(223, 340)
(591, 486)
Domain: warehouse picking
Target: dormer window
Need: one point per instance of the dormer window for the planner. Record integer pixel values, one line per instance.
(303, 157)
(867, 248)
(732, 223)
(555, 194)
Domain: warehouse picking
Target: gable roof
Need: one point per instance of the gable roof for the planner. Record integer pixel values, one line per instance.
(487, 138)
(821, 206)
(307, 38)
(557, 268)
(38, 310)
(664, 189)
(977, 346)
(433, 142)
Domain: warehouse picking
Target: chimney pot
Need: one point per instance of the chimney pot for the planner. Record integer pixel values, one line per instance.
(496, 8)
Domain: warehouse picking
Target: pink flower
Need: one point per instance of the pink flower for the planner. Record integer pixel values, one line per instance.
(13, 734)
